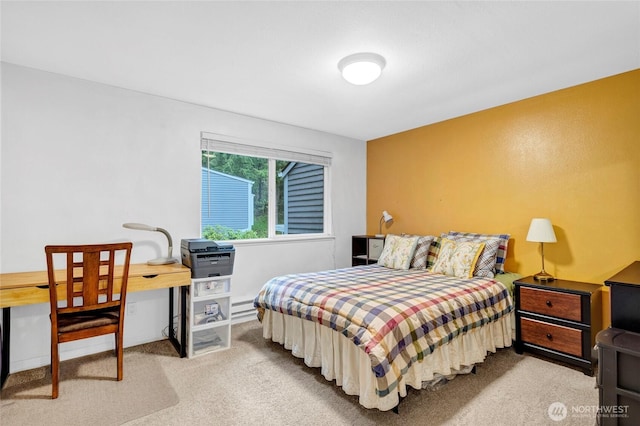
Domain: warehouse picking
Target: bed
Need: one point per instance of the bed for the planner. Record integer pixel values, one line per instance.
(378, 330)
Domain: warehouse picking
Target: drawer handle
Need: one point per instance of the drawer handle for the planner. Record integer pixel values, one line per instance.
(549, 336)
(549, 304)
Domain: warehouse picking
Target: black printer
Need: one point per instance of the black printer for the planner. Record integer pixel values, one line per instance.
(207, 258)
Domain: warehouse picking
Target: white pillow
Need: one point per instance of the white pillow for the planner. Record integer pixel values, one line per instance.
(457, 258)
(398, 251)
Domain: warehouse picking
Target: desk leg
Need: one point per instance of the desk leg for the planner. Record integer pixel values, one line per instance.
(181, 346)
(183, 320)
(6, 327)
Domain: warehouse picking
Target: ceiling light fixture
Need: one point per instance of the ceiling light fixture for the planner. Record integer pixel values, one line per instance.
(361, 68)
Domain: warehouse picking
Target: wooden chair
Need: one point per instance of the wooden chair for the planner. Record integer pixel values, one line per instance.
(86, 307)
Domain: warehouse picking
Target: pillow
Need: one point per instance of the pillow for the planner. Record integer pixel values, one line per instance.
(398, 251)
(419, 260)
(485, 267)
(501, 255)
(434, 248)
(457, 258)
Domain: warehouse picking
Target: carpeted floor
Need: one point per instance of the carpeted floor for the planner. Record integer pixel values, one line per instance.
(257, 382)
(89, 392)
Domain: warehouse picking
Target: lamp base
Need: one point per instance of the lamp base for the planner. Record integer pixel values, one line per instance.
(379, 235)
(162, 261)
(543, 277)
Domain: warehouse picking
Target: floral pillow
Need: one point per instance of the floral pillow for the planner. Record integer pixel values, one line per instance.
(398, 251)
(457, 258)
(486, 265)
(501, 256)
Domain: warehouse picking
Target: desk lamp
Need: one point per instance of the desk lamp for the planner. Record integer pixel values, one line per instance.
(386, 217)
(541, 231)
(160, 260)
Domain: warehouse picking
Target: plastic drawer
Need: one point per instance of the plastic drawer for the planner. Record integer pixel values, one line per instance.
(209, 340)
(210, 311)
(208, 287)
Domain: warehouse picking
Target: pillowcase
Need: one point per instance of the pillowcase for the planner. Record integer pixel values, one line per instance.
(434, 249)
(419, 260)
(485, 267)
(398, 251)
(501, 255)
(457, 258)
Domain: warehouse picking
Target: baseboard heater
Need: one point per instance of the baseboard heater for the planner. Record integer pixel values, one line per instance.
(242, 310)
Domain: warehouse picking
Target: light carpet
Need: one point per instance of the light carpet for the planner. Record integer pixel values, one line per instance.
(89, 393)
(257, 382)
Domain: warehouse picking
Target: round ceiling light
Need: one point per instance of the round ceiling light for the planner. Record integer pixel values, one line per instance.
(361, 68)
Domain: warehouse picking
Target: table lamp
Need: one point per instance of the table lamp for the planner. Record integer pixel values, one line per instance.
(541, 231)
(160, 260)
(386, 217)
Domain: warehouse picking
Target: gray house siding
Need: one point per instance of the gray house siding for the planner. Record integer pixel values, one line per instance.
(304, 198)
(226, 200)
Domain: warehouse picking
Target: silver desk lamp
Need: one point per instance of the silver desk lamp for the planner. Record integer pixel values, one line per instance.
(160, 260)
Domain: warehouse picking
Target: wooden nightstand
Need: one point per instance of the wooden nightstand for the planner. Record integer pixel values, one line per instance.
(559, 320)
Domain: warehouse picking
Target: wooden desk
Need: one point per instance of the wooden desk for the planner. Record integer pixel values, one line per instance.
(28, 288)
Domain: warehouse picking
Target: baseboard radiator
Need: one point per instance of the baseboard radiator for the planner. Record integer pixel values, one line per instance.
(242, 310)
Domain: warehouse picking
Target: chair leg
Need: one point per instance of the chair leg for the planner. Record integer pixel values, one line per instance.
(119, 354)
(55, 369)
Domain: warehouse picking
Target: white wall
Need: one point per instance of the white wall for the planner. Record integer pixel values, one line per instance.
(80, 158)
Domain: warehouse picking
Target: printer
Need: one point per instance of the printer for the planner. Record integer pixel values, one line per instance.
(207, 258)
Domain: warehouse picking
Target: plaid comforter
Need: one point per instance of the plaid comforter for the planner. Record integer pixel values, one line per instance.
(397, 317)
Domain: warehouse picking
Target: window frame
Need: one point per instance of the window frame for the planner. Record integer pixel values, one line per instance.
(273, 153)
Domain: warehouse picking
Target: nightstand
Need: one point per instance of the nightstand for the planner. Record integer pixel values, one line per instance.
(365, 249)
(558, 320)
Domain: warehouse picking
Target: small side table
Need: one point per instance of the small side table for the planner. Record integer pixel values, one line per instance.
(365, 249)
(558, 320)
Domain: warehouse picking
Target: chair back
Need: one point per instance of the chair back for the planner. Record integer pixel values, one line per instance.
(88, 272)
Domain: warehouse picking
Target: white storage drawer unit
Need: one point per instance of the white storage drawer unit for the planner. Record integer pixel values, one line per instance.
(209, 313)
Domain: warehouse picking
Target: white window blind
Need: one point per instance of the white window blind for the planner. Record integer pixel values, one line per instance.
(220, 143)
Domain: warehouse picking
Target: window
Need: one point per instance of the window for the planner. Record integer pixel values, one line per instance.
(251, 192)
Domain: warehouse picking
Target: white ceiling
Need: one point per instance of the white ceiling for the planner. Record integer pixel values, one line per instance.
(278, 60)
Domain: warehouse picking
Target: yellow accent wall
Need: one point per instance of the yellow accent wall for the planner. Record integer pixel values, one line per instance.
(572, 155)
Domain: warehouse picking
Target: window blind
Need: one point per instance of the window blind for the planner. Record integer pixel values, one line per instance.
(219, 143)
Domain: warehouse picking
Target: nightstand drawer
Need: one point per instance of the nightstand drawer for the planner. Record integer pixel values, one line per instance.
(556, 304)
(556, 337)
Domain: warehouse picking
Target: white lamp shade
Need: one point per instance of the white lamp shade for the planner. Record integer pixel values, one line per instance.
(386, 216)
(361, 68)
(541, 231)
